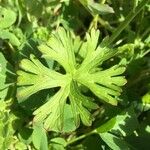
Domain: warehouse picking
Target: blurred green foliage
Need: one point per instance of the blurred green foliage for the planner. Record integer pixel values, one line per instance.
(124, 28)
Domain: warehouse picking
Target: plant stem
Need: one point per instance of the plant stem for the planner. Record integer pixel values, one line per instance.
(81, 137)
(123, 25)
(105, 24)
(145, 33)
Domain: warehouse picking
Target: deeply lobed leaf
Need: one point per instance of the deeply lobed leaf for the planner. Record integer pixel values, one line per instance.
(105, 84)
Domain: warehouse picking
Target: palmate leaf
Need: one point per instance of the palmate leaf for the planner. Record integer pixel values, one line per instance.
(105, 84)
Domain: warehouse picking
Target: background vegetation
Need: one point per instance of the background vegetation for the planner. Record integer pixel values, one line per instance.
(94, 116)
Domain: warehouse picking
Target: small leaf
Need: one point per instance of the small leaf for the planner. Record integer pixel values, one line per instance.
(59, 140)
(146, 98)
(114, 142)
(7, 17)
(24, 135)
(69, 124)
(97, 8)
(6, 35)
(20, 145)
(146, 101)
(58, 143)
(106, 126)
(3, 64)
(126, 122)
(3, 70)
(39, 137)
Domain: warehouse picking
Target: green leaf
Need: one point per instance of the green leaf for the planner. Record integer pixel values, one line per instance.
(69, 124)
(90, 45)
(39, 137)
(60, 48)
(20, 145)
(24, 135)
(123, 124)
(114, 142)
(146, 98)
(104, 84)
(7, 129)
(126, 122)
(146, 101)
(59, 140)
(7, 17)
(97, 8)
(79, 104)
(3, 64)
(35, 77)
(55, 146)
(7, 35)
(53, 111)
(107, 126)
(3, 70)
